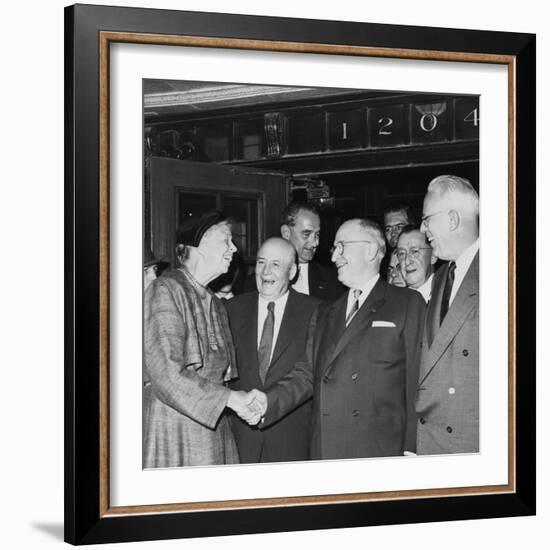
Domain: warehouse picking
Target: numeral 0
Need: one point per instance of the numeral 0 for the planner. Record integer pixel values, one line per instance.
(428, 122)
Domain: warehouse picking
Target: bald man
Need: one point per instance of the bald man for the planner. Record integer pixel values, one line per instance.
(269, 330)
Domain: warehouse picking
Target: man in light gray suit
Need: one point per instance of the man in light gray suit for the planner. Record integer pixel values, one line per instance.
(448, 392)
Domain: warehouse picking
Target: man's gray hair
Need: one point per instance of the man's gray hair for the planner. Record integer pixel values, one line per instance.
(374, 231)
(459, 189)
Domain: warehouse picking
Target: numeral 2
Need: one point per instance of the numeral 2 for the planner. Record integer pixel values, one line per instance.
(385, 123)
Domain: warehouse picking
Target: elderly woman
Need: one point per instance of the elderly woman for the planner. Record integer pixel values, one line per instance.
(189, 354)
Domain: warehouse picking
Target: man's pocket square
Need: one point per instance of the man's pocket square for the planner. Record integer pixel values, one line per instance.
(383, 324)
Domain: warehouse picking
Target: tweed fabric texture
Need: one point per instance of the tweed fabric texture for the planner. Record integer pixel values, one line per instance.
(189, 354)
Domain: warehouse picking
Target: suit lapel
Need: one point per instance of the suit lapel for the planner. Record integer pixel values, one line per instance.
(314, 277)
(465, 299)
(335, 326)
(247, 339)
(362, 318)
(289, 325)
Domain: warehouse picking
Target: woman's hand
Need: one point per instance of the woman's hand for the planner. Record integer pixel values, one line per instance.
(249, 406)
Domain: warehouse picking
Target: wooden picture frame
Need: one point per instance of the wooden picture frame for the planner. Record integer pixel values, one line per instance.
(89, 33)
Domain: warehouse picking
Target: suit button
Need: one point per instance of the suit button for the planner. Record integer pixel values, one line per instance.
(449, 429)
(452, 391)
(354, 376)
(355, 412)
(465, 352)
(422, 420)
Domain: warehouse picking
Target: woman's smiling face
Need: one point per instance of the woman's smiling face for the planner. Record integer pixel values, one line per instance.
(218, 248)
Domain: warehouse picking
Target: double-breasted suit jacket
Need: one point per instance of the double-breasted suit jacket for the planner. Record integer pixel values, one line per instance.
(448, 391)
(282, 436)
(365, 376)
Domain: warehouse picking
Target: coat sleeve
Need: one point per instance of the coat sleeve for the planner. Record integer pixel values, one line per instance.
(296, 387)
(171, 369)
(414, 328)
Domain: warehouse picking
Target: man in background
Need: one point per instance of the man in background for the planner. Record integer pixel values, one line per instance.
(301, 226)
(394, 275)
(396, 218)
(417, 260)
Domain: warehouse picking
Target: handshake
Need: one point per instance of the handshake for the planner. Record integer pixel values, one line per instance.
(249, 406)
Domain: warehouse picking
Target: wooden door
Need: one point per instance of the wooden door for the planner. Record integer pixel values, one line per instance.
(178, 189)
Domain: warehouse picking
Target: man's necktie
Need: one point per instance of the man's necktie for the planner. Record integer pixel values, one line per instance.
(355, 306)
(266, 341)
(447, 291)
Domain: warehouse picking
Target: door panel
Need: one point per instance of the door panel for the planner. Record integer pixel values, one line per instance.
(182, 189)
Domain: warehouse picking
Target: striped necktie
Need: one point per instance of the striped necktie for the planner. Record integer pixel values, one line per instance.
(266, 341)
(355, 306)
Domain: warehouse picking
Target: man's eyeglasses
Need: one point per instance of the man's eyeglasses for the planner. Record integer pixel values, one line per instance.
(413, 253)
(425, 220)
(339, 246)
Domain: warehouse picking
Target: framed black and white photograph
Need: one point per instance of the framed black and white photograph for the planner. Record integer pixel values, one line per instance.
(296, 163)
(250, 198)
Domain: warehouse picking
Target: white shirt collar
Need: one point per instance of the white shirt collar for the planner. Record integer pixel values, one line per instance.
(426, 288)
(466, 258)
(463, 263)
(302, 283)
(365, 289)
(280, 301)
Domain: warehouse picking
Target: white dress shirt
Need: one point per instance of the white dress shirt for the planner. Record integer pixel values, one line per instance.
(302, 283)
(280, 304)
(365, 291)
(463, 263)
(426, 288)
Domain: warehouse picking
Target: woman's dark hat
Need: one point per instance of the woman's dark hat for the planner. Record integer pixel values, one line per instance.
(192, 230)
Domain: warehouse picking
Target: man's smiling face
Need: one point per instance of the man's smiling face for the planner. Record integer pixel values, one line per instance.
(415, 257)
(304, 235)
(275, 267)
(436, 225)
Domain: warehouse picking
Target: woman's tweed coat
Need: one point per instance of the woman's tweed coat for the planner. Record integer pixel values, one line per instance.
(188, 355)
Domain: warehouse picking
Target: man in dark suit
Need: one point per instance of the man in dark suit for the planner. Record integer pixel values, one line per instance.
(448, 392)
(269, 330)
(301, 225)
(365, 350)
(362, 353)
